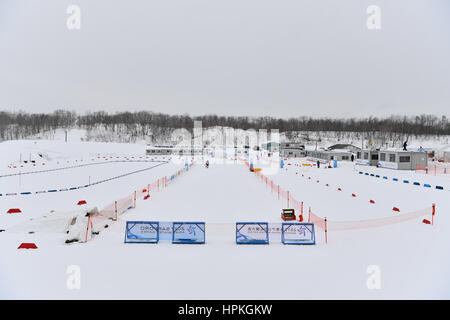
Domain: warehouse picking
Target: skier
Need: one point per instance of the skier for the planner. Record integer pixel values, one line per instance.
(207, 164)
(353, 157)
(405, 144)
(318, 164)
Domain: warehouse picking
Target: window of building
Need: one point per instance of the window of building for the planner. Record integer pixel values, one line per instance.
(345, 157)
(358, 155)
(366, 155)
(391, 157)
(382, 156)
(405, 159)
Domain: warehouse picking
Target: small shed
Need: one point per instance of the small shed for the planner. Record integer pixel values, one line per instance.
(293, 153)
(271, 146)
(292, 149)
(402, 160)
(367, 157)
(329, 155)
(174, 150)
(159, 150)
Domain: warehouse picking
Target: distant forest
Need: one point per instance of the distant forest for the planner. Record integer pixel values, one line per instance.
(19, 125)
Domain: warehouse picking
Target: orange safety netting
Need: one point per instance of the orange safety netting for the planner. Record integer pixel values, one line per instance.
(326, 225)
(116, 208)
(107, 212)
(433, 169)
(318, 221)
(125, 203)
(284, 194)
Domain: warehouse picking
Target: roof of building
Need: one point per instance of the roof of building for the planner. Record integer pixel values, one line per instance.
(173, 147)
(271, 143)
(402, 151)
(342, 146)
(332, 151)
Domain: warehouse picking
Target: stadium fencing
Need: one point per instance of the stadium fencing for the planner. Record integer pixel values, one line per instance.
(159, 163)
(415, 183)
(434, 169)
(325, 225)
(281, 193)
(78, 166)
(113, 210)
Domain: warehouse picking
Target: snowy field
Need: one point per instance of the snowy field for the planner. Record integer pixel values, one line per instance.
(413, 257)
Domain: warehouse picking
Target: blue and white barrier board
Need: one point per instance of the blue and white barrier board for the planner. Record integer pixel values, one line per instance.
(297, 233)
(142, 232)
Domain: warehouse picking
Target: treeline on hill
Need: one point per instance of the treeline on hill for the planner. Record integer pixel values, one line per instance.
(17, 125)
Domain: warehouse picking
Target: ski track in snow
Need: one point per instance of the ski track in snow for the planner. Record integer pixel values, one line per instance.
(413, 257)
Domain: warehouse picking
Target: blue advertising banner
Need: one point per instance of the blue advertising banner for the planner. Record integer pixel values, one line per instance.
(142, 232)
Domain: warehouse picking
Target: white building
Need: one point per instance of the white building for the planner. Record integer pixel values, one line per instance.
(292, 149)
(392, 159)
(173, 150)
(329, 155)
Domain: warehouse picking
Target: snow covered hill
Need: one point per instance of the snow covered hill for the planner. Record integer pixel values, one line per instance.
(311, 139)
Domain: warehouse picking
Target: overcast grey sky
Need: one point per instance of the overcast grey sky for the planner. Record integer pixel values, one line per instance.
(279, 58)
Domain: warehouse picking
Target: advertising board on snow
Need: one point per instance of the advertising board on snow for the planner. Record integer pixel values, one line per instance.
(388, 165)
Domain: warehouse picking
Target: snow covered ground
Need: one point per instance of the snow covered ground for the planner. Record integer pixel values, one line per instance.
(413, 258)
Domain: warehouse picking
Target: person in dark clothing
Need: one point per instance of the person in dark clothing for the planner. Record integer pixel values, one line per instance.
(318, 164)
(353, 157)
(207, 164)
(405, 144)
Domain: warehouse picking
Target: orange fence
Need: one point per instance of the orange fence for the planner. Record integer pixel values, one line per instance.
(380, 222)
(113, 210)
(433, 169)
(291, 202)
(326, 225)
